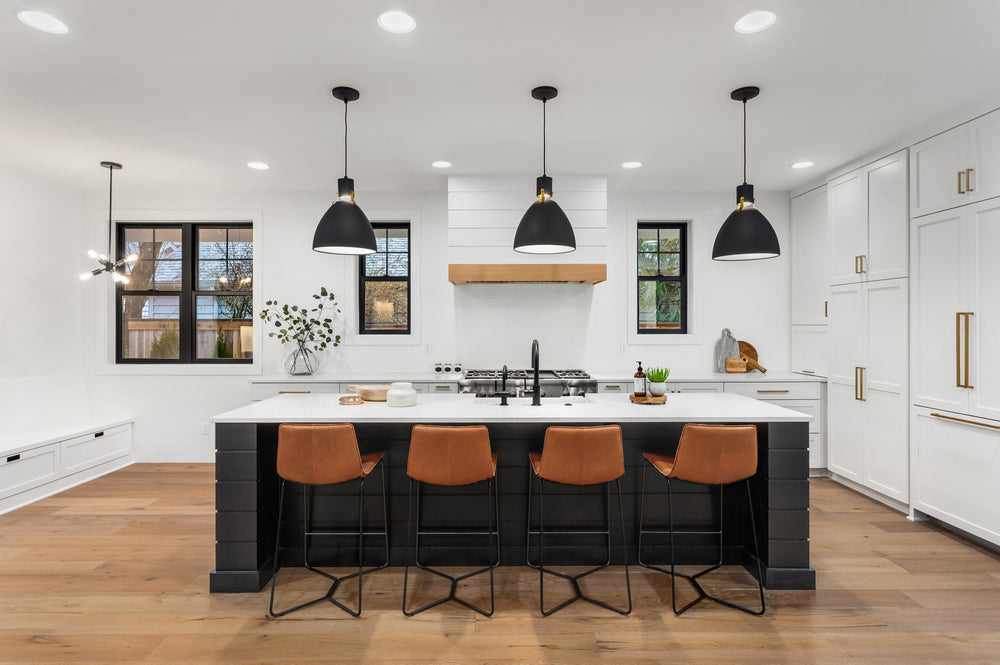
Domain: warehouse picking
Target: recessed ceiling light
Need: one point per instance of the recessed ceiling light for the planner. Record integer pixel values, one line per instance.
(803, 165)
(441, 164)
(631, 165)
(258, 166)
(755, 22)
(398, 22)
(42, 21)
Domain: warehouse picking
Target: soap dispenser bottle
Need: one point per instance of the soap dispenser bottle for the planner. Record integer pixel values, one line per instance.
(639, 382)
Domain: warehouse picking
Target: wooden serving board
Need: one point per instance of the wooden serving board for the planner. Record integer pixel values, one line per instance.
(662, 399)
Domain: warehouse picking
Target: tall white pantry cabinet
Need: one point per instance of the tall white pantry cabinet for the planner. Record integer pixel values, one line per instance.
(867, 383)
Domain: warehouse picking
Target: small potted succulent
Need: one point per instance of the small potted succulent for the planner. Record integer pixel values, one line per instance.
(656, 380)
(310, 329)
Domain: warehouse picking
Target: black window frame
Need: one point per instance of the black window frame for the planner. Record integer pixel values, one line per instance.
(188, 294)
(363, 279)
(681, 277)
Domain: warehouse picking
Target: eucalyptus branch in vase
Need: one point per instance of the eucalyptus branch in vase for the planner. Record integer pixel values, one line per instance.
(311, 329)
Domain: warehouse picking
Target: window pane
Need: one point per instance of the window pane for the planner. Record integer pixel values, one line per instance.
(224, 327)
(647, 240)
(167, 276)
(399, 264)
(668, 304)
(398, 240)
(212, 275)
(150, 327)
(375, 265)
(240, 244)
(386, 306)
(670, 265)
(647, 305)
(670, 240)
(647, 264)
(380, 242)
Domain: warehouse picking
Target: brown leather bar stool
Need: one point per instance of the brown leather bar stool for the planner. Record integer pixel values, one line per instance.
(327, 454)
(578, 456)
(707, 455)
(452, 456)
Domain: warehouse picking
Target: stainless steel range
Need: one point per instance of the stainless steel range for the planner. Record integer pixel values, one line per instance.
(553, 382)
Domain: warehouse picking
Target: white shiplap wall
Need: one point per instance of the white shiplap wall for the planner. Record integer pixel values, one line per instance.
(483, 213)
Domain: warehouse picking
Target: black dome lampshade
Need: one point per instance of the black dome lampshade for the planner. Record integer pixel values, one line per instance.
(746, 234)
(544, 228)
(345, 228)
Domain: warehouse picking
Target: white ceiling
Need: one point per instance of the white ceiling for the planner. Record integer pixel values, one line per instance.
(185, 92)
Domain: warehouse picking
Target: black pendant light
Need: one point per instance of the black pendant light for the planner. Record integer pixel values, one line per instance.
(345, 228)
(117, 267)
(544, 229)
(746, 234)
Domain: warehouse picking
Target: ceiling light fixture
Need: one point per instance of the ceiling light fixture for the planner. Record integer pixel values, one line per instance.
(42, 21)
(803, 165)
(345, 228)
(396, 22)
(115, 268)
(441, 164)
(258, 166)
(755, 22)
(544, 229)
(746, 234)
(632, 165)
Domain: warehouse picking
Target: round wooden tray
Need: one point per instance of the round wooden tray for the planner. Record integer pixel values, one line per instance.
(649, 399)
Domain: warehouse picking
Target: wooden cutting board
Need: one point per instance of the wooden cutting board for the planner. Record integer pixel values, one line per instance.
(747, 351)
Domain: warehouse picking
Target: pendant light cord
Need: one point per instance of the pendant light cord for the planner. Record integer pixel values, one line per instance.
(543, 136)
(111, 180)
(345, 138)
(744, 141)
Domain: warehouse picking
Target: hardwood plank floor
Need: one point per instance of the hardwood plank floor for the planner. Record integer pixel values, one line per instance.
(116, 571)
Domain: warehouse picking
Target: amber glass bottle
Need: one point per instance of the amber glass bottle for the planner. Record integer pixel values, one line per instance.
(639, 382)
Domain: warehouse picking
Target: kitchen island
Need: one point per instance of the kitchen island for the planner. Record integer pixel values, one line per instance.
(247, 485)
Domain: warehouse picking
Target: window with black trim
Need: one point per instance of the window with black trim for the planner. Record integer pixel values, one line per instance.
(661, 273)
(189, 295)
(384, 282)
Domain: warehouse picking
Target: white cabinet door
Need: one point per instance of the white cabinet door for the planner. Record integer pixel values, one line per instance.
(984, 302)
(810, 350)
(938, 168)
(695, 387)
(847, 216)
(956, 472)
(810, 257)
(886, 444)
(888, 220)
(845, 412)
(984, 156)
(939, 287)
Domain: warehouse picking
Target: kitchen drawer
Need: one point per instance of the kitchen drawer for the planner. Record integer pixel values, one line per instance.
(260, 391)
(775, 390)
(439, 387)
(616, 387)
(20, 471)
(695, 387)
(83, 452)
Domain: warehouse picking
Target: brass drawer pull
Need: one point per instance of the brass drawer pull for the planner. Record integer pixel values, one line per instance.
(960, 190)
(294, 392)
(963, 420)
(968, 180)
(773, 391)
(808, 371)
(959, 382)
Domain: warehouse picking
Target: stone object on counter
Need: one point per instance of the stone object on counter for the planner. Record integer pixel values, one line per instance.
(726, 347)
(401, 393)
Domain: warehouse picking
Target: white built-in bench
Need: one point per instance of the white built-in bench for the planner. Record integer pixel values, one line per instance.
(50, 440)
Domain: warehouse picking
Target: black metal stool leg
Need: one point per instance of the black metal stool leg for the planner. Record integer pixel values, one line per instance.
(574, 579)
(493, 510)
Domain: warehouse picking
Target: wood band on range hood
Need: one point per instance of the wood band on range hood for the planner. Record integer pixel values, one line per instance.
(505, 273)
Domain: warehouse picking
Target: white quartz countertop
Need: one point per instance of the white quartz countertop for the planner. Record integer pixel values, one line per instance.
(603, 377)
(717, 377)
(454, 408)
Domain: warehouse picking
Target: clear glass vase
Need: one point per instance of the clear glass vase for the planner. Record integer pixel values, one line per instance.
(303, 361)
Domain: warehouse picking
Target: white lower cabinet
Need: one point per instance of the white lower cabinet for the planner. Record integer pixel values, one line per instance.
(956, 470)
(22, 470)
(694, 387)
(90, 450)
(614, 387)
(867, 440)
(802, 396)
(263, 389)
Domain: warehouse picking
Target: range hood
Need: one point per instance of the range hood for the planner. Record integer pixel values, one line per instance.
(521, 273)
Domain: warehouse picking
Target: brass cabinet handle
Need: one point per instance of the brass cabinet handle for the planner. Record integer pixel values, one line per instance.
(967, 315)
(963, 420)
(856, 383)
(826, 308)
(294, 392)
(864, 257)
(960, 190)
(856, 270)
(861, 385)
(968, 180)
(859, 381)
(773, 391)
(959, 316)
(807, 371)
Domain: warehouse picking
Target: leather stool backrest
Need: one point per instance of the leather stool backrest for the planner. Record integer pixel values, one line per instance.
(582, 455)
(716, 454)
(320, 454)
(450, 455)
